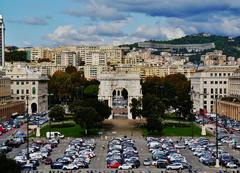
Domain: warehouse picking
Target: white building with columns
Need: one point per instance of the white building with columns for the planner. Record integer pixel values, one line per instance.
(209, 83)
(29, 86)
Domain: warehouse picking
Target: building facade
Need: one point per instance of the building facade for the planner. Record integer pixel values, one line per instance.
(29, 86)
(209, 83)
(230, 106)
(8, 108)
(2, 41)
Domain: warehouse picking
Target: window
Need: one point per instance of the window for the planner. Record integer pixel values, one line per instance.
(205, 96)
(216, 82)
(17, 91)
(205, 90)
(229, 74)
(224, 74)
(225, 82)
(17, 83)
(22, 97)
(205, 102)
(27, 91)
(225, 91)
(27, 82)
(211, 90)
(212, 96)
(215, 74)
(205, 82)
(220, 82)
(22, 83)
(216, 90)
(33, 90)
(211, 74)
(211, 82)
(220, 91)
(211, 102)
(220, 74)
(33, 83)
(22, 91)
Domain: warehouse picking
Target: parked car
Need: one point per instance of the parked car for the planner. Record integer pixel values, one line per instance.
(174, 166)
(125, 166)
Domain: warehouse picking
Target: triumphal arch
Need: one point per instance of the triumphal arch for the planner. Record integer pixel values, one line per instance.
(117, 89)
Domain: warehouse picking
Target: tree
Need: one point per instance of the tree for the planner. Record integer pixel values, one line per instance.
(154, 123)
(57, 113)
(136, 108)
(102, 109)
(91, 91)
(70, 69)
(86, 117)
(8, 165)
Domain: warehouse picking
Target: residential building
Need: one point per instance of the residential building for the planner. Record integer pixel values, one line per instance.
(92, 71)
(2, 41)
(113, 55)
(8, 108)
(29, 85)
(209, 83)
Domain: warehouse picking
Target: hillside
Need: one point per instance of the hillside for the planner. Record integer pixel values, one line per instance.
(230, 47)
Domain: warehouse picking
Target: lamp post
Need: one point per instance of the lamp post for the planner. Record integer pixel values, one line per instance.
(203, 133)
(191, 112)
(27, 131)
(216, 123)
(38, 133)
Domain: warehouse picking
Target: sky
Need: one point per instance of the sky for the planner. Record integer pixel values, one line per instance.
(51, 23)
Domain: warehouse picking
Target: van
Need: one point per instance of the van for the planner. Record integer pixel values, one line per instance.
(54, 135)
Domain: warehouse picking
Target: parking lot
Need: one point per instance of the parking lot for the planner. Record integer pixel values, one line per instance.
(98, 163)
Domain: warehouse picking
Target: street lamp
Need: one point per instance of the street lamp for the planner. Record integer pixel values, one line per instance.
(216, 124)
(191, 112)
(203, 133)
(27, 130)
(38, 133)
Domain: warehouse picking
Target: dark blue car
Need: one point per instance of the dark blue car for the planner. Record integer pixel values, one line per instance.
(56, 165)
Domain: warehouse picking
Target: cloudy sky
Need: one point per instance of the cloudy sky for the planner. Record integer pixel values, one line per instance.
(77, 22)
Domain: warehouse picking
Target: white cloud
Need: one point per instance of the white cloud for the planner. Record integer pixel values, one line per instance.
(93, 34)
(157, 32)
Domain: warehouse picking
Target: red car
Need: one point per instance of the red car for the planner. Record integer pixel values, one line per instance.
(113, 165)
(47, 161)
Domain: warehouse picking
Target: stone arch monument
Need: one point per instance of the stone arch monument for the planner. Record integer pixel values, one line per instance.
(114, 83)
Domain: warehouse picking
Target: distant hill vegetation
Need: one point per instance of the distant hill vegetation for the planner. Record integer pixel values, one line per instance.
(230, 46)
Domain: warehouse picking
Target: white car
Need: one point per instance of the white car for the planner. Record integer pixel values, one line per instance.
(179, 146)
(125, 166)
(70, 167)
(175, 166)
(231, 165)
(147, 162)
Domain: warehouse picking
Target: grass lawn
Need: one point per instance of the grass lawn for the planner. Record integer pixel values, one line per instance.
(69, 129)
(176, 131)
(174, 117)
